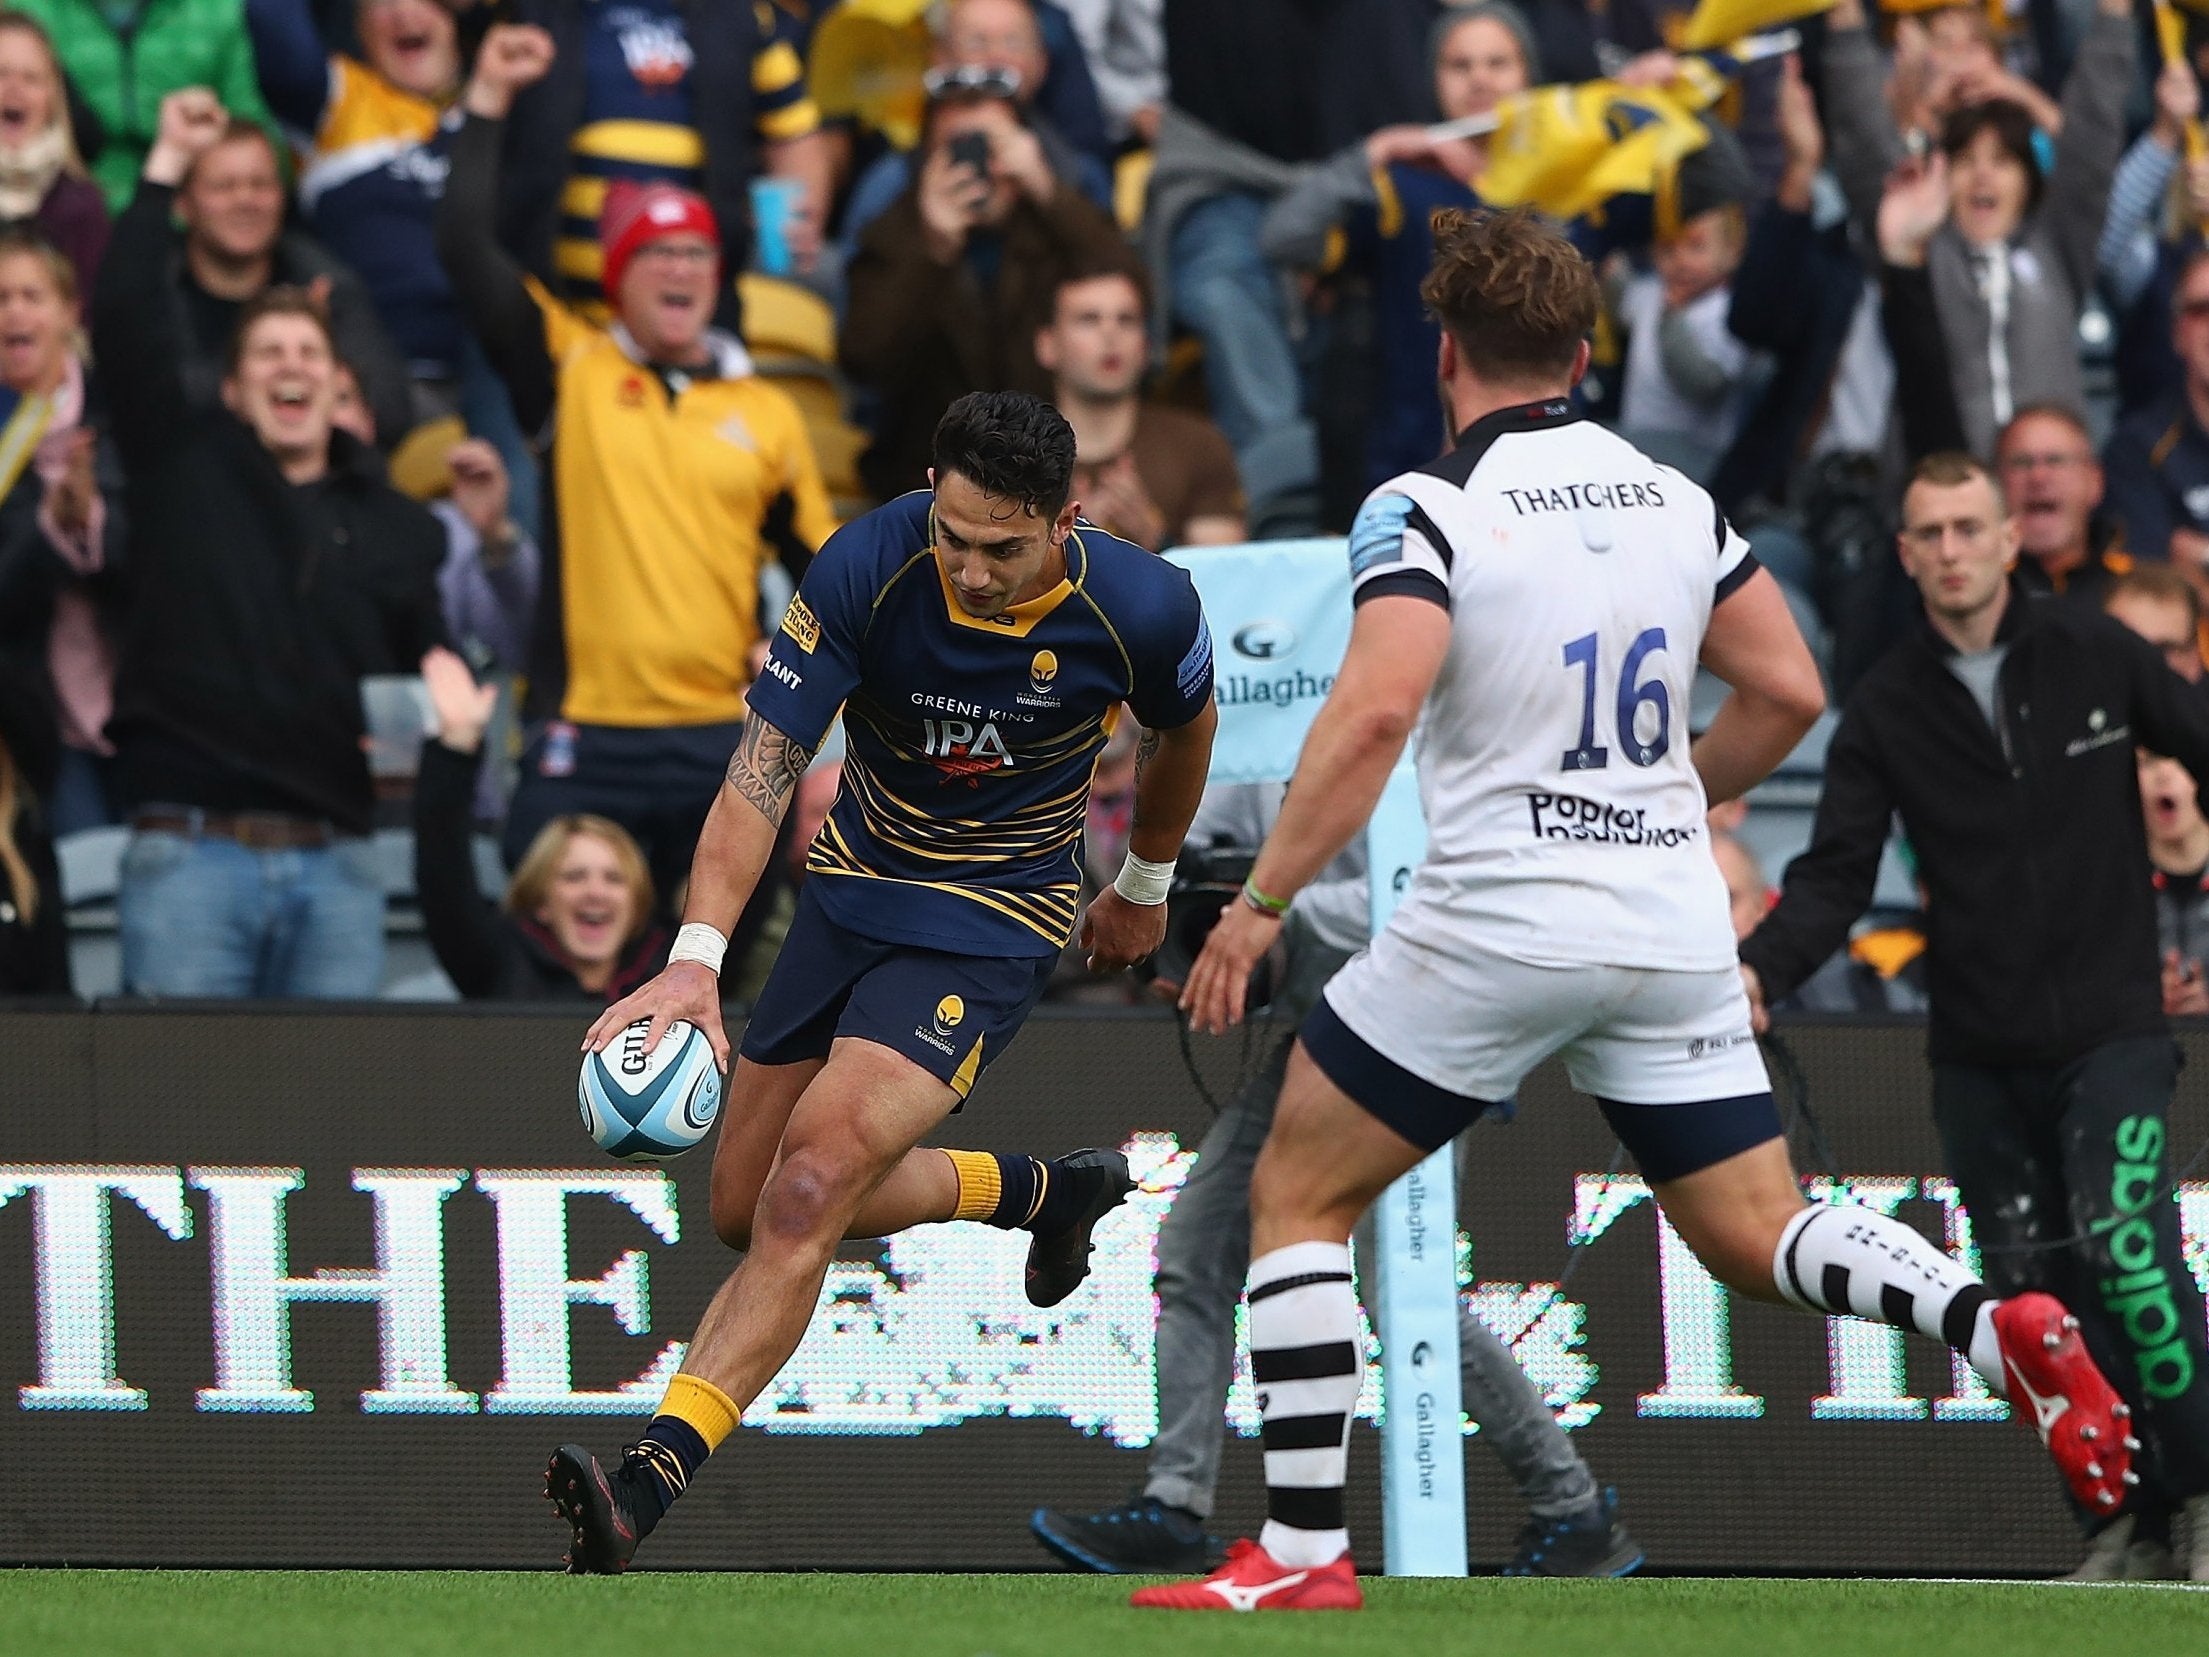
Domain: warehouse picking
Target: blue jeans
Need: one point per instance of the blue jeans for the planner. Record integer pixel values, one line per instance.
(202, 916)
(1226, 292)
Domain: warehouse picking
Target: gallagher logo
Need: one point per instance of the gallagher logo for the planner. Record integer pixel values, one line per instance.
(1261, 641)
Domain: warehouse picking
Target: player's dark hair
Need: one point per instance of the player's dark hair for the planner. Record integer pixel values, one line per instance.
(1514, 294)
(1011, 444)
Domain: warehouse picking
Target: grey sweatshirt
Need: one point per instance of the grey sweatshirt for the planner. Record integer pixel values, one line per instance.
(2051, 255)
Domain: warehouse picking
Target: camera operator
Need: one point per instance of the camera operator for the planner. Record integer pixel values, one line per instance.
(1204, 1248)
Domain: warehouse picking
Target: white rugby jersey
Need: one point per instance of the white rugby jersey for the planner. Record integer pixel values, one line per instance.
(1564, 819)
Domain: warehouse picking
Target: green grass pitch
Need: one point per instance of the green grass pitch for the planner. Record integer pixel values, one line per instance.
(68, 1613)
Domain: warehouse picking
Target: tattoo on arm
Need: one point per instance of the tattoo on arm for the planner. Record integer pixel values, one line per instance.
(766, 767)
(1144, 750)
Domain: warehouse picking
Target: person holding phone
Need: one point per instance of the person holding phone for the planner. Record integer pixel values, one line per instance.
(952, 281)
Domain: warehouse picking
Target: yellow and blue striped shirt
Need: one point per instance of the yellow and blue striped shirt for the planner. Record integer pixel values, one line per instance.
(639, 121)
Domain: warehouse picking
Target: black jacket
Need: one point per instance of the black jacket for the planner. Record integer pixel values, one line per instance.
(145, 267)
(1299, 79)
(2041, 915)
(253, 607)
(33, 574)
(34, 953)
(489, 955)
(1794, 296)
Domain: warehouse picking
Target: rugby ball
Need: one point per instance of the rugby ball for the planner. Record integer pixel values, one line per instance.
(647, 1107)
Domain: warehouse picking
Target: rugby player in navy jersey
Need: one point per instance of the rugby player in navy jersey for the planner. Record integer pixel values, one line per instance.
(980, 642)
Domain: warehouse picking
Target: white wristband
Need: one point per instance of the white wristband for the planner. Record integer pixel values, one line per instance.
(696, 941)
(1144, 882)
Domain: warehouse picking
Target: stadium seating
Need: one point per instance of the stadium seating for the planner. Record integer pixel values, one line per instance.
(792, 335)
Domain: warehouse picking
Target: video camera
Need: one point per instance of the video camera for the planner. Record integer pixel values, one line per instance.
(1207, 878)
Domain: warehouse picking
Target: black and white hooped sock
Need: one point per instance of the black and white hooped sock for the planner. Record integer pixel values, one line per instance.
(1305, 1359)
(1847, 1261)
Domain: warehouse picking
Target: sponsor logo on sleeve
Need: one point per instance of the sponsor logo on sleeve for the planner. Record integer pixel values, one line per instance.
(799, 622)
(1196, 667)
(1377, 534)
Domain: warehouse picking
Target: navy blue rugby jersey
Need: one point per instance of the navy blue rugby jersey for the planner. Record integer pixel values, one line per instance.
(971, 744)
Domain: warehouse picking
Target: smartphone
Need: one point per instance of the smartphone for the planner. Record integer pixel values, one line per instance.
(971, 149)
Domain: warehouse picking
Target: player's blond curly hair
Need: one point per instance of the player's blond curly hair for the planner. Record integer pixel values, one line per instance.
(1514, 294)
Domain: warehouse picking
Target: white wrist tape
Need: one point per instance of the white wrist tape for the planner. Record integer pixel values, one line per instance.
(696, 941)
(1142, 881)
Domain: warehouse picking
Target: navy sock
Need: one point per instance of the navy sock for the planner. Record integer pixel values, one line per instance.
(1023, 1178)
(664, 1459)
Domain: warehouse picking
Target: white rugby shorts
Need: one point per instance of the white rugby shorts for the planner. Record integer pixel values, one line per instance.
(1474, 1023)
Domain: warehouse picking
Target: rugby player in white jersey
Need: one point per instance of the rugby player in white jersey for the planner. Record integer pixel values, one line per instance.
(1535, 603)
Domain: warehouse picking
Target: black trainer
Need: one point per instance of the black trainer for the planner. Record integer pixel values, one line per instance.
(1059, 1259)
(600, 1508)
(1141, 1537)
(1591, 1543)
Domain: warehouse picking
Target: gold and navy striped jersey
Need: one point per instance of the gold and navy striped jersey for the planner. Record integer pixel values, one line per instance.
(639, 123)
(971, 744)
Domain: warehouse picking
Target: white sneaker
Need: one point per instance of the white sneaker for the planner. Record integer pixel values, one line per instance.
(2150, 1562)
(2116, 1557)
(2105, 1557)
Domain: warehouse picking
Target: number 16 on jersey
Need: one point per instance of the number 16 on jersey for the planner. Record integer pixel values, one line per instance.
(1632, 696)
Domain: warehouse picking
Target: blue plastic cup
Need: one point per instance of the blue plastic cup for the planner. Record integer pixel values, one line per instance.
(773, 202)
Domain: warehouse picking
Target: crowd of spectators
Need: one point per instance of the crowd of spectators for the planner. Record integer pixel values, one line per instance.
(433, 341)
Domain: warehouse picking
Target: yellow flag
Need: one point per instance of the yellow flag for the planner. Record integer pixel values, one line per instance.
(1566, 150)
(867, 60)
(2170, 35)
(1722, 22)
(2170, 32)
(1702, 79)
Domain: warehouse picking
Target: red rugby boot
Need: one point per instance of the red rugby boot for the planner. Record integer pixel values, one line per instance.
(1253, 1580)
(2086, 1426)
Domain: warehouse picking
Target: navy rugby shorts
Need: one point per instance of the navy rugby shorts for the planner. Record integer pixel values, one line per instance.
(952, 1015)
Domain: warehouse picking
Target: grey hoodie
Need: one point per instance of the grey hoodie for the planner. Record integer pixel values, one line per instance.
(2050, 255)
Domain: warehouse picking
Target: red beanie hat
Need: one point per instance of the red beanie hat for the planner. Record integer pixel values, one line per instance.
(635, 214)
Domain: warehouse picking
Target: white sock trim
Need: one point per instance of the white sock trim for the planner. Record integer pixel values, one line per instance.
(1783, 1256)
(1303, 1549)
(1296, 1259)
